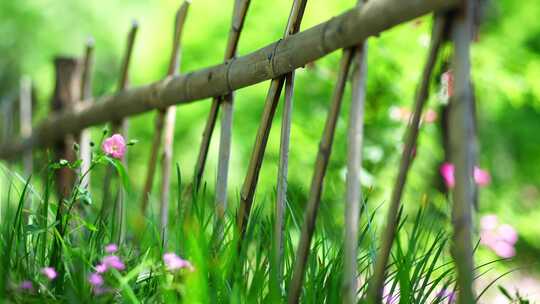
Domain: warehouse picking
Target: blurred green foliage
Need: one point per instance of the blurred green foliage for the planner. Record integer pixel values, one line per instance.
(506, 69)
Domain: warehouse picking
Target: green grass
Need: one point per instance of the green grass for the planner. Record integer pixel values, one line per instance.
(37, 233)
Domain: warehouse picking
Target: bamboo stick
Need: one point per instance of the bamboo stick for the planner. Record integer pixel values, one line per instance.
(345, 30)
(281, 194)
(272, 99)
(239, 16)
(120, 126)
(170, 119)
(25, 112)
(173, 69)
(323, 156)
(462, 153)
(354, 164)
(86, 93)
(388, 234)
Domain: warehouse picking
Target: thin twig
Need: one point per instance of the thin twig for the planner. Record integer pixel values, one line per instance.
(388, 234)
(323, 156)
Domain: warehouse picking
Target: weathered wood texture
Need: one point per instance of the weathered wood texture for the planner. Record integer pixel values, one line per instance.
(66, 94)
(270, 62)
(86, 93)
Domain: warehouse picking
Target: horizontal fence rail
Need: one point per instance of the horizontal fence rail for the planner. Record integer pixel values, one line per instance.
(272, 61)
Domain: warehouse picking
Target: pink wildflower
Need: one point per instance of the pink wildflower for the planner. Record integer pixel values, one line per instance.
(26, 285)
(95, 279)
(114, 146)
(101, 268)
(481, 177)
(499, 238)
(401, 114)
(447, 82)
(174, 262)
(430, 116)
(113, 261)
(49, 272)
(111, 248)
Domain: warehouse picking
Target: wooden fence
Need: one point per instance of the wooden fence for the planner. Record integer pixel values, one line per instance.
(277, 62)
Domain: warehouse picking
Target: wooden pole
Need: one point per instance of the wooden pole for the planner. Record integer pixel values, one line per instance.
(239, 16)
(25, 111)
(323, 156)
(168, 113)
(462, 152)
(286, 55)
(170, 118)
(66, 94)
(388, 233)
(281, 193)
(86, 93)
(272, 99)
(355, 132)
(120, 126)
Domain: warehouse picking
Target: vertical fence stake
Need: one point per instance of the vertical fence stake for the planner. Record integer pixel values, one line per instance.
(314, 198)
(272, 99)
(239, 17)
(86, 94)
(66, 93)
(462, 152)
(165, 119)
(118, 227)
(281, 193)
(170, 119)
(25, 111)
(354, 164)
(377, 280)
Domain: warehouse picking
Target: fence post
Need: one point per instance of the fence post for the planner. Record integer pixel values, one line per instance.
(86, 94)
(462, 152)
(25, 111)
(66, 93)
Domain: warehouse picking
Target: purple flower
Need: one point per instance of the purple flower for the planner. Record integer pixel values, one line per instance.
(49, 272)
(481, 177)
(499, 238)
(101, 268)
(95, 279)
(26, 285)
(174, 262)
(111, 248)
(508, 234)
(447, 294)
(113, 261)
(114, 146)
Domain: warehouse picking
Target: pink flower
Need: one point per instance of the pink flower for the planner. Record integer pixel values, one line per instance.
(174, 262)
(447, 172)
(101, 268)
(95, 279)
(503, 249)
(26, 286)
(114, 146)
(481, 177)
(499, 238)
(489, 222)
(508, 234)
(430, 116)
(113, 261)
(401, 114)
(111, 248)
(49, 272)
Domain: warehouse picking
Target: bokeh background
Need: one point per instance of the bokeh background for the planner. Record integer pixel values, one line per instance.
(506, 73)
